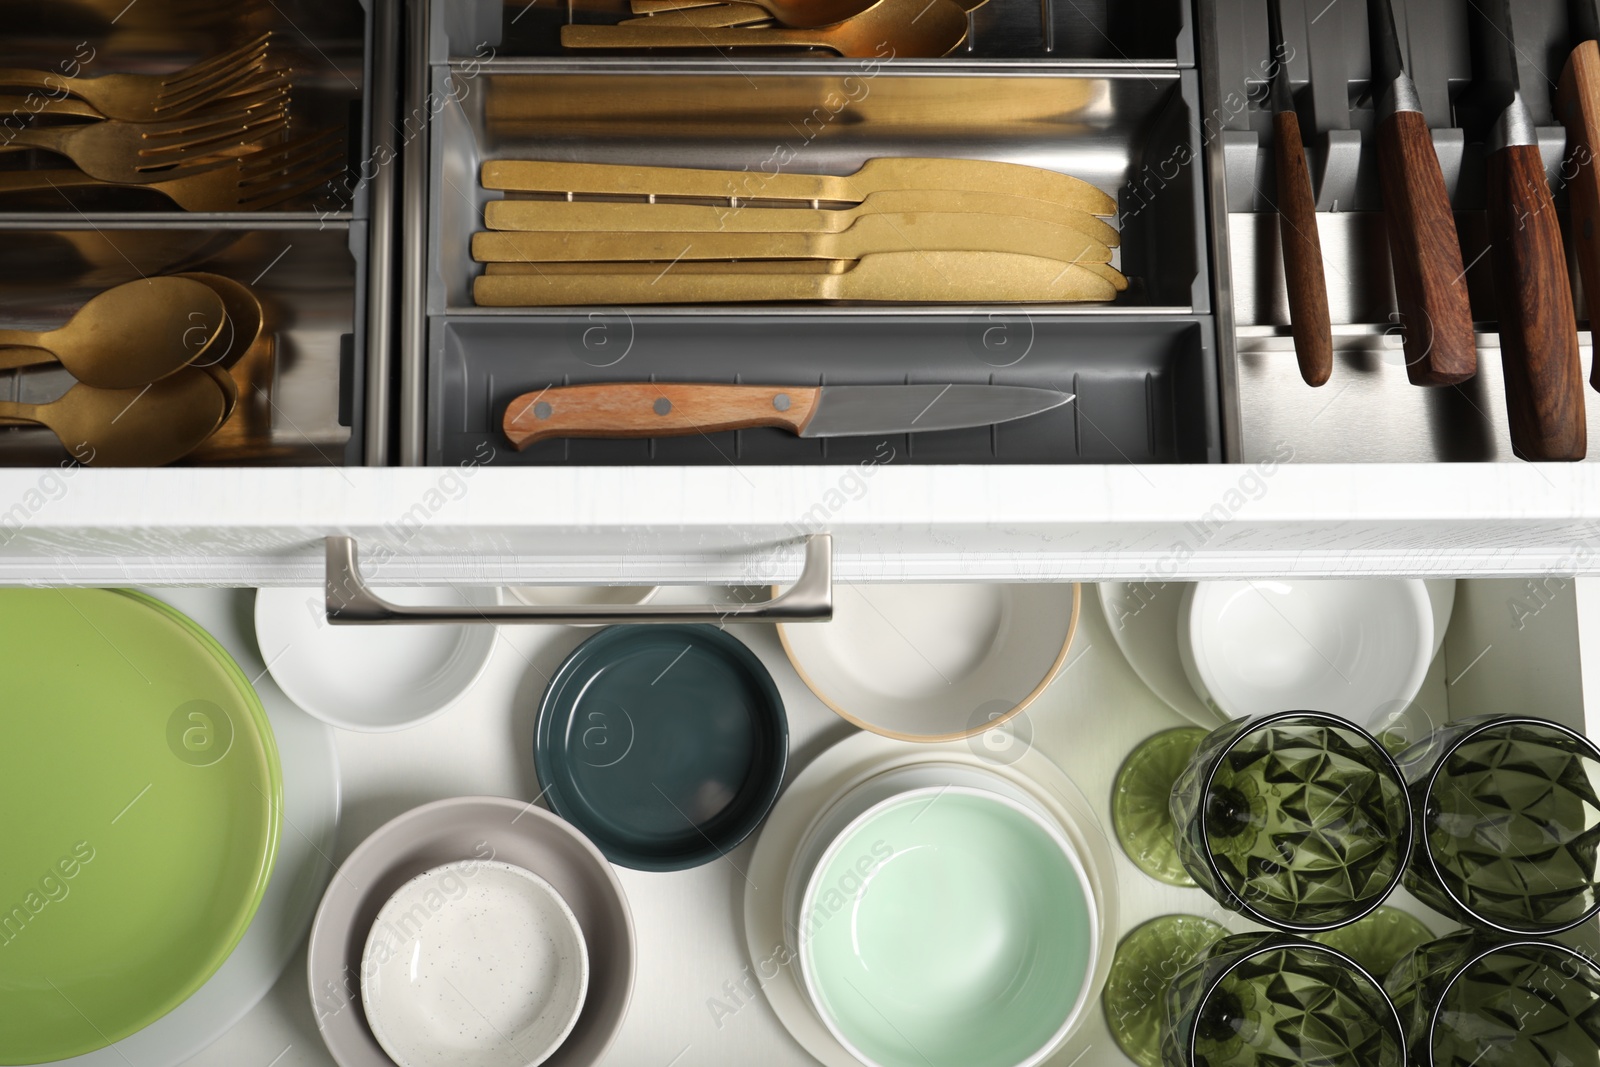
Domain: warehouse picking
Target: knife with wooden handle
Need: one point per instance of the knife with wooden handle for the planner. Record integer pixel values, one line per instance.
(1297, 223)
(1538, 328)
(678, 409)
(1430, 281)
(1578, 106)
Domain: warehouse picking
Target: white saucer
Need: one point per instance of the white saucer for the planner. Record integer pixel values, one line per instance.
(826, 780)
(474, 964)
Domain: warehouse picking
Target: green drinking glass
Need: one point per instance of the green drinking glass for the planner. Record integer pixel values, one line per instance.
(1147, 961)
(1273, 999)
(1509, 824)
(1298, 820)
(1476, 1000)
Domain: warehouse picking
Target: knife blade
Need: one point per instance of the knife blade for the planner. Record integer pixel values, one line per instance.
(676, 409)
(1307, 286)
(1429, 278)
(1577, 103)
(1538, 328)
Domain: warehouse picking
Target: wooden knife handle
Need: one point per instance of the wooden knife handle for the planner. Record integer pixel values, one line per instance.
(1578, 101)
(1538, 332)
(654, 409)
(1302, 253)
(1430, 282)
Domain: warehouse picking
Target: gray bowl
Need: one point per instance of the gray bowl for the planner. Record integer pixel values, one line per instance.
(448, 831)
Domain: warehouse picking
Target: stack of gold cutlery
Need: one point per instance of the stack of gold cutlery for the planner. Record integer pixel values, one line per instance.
(882, 29)
(211, 137)
(899, 230)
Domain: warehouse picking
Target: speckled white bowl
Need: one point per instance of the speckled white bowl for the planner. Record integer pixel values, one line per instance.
(474, 964)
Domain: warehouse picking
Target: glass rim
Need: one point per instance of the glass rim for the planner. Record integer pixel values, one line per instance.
(1405, 840)
(1492, 949)
(1432, 779)
(1279, 941)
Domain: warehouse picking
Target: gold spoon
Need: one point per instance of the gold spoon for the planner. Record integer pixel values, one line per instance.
(145, 427)
(244, 319)
(800, 14)
(910, 27)
(127, 336)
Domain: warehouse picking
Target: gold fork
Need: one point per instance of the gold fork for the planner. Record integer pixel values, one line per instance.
(148, 97)
(149, 151)
(254, 182)
(257, 92)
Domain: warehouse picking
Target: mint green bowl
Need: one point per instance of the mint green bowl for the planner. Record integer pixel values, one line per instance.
(949, 927)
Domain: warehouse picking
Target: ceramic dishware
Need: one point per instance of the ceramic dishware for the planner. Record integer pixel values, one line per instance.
(371, 678)
(1356, 648)
(901, 974)
(1474, 999)
(476, 964)
(150, 780)
(834, 774)
(300, 872)
(935, 662)
(1509, 811)
(1252, 1000)
(481, 830)
(665, 744)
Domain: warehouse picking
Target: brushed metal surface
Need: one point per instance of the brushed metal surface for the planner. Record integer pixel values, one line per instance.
(848, 410)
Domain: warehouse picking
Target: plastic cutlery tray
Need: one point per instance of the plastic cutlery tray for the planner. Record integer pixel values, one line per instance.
(1142, 366)
(1368, 411)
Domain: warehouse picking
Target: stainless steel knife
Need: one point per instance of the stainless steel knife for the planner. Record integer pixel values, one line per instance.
(675, 409)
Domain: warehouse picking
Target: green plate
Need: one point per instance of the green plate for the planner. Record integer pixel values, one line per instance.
(142, 799)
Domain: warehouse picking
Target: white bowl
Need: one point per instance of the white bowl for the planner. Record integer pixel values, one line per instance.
(935, 662)
(371, 678)
(1355, 648)
(474, 964)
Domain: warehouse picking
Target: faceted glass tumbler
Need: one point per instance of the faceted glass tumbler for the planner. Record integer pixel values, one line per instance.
(1299, 820)
(1272, 1000)
(1508, 813)
(1478, 1000)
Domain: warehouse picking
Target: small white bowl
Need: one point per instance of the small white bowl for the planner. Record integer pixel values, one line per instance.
(1355, 648)
(371, 678)
(474, 964)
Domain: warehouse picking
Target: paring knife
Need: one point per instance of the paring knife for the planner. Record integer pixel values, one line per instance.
(1430, 281)
(1538, 329)
(675, 409)
(1578, 106)
(1297, 222)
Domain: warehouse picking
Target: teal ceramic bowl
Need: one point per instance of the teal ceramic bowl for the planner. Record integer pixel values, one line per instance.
(949, 927)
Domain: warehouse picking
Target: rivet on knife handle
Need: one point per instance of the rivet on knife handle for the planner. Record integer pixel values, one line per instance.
(1538, 334)
(1430, 280)
(1302, 253)
(648, 409)
(1578, 101)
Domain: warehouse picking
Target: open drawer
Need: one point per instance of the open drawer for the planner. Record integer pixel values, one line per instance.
(700, 994)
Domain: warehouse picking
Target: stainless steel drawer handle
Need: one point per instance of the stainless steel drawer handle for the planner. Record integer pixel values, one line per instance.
(350, 602)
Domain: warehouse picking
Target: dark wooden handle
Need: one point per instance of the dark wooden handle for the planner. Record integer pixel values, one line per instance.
(1578, 102)
(1302, 253)
(646, 409)
(1430, 283)
(1538, 332)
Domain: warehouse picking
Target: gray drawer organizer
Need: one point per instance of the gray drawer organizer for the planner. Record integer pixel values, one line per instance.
(1117, 102)
(1367, 411)
(322, 266)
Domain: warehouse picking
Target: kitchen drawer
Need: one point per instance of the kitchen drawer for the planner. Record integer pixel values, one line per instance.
(1511, 645)
(314, 391)
(1141, 367)
(1058, 31)
(1367, 412)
